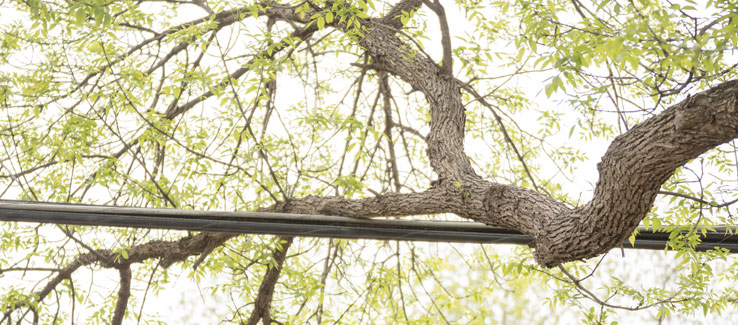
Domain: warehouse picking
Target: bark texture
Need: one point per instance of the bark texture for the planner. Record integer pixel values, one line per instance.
(635, 166)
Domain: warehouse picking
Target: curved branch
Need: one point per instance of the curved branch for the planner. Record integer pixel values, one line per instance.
(123, 294)
(631, 172)
(446, 136)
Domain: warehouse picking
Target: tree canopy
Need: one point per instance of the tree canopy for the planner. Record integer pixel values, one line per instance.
(571, 121)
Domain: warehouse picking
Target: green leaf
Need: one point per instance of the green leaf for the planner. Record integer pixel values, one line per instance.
(81, 16)
(99, 14)
(321, 22)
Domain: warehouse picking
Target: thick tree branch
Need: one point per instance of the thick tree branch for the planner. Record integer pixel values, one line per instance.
(446, 137)
(633, 169)
(631, 172)
(434, 200)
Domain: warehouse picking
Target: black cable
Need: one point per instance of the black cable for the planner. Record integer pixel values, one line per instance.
(306, 225)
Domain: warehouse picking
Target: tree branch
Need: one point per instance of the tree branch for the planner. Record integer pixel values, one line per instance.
(434, 200)
(266, 289)
(445, 35)
(631, 172)
(446, 136)
(123, 294)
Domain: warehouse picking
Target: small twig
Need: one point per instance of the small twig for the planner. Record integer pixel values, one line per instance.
(90, 249)
(507, 137)
(699, 200)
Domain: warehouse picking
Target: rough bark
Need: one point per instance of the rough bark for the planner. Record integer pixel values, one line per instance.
(631, 172)
(443, 93)
(635, 166)
(633, 169)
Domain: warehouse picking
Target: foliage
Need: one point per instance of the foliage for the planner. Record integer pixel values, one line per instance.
(231, 105)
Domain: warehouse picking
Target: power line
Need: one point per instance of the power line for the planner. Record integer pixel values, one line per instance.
(308, 225)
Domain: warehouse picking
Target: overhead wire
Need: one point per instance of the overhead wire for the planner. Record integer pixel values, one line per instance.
(312, 225)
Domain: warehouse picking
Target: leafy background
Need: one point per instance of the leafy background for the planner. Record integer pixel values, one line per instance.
(140, 103)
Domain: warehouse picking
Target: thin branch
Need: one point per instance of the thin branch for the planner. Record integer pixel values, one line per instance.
(123, 294)
(590, 295)
(447, 61)
(505, 134)
(699, 200)
(384, 88)
(266, 289)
